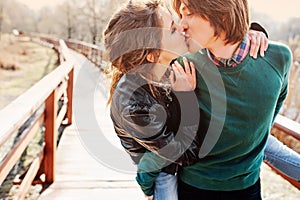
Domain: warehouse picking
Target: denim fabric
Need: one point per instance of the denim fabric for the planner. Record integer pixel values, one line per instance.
(282, 158)
(165, 187)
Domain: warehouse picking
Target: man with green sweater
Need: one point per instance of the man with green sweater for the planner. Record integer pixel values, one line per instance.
(239, 98)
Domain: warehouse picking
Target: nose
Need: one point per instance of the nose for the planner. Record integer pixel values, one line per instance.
(183, 25)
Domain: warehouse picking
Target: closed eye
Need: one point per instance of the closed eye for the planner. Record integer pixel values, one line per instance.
(173, 30)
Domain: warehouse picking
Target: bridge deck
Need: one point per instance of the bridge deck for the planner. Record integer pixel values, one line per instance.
(79, 175)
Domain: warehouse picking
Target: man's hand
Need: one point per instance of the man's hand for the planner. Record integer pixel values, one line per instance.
(259, 41)
(149, 197)
(183, 79)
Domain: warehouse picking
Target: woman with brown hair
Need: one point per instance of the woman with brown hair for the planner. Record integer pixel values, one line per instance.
(153, 106)
(150, 110)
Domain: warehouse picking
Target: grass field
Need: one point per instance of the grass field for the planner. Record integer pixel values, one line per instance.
(22, 64)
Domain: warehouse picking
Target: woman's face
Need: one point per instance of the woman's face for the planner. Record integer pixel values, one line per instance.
(173, 42)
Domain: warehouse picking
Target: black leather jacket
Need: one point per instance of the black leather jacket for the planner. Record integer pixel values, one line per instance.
(165, 124)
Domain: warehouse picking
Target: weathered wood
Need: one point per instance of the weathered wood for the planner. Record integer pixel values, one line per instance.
(47, 91)
(62, 89)
(27, 103)
(61, 115)
(288, 126)
(50, 137)
(29, 177)
(70, 96)
(13, 156)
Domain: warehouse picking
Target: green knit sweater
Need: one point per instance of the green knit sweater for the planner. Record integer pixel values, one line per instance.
(238, 106)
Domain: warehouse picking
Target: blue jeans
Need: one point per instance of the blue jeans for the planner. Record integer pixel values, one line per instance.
(282, 158)
(165, 187)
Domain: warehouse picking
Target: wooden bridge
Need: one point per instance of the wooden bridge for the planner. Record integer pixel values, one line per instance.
(73, 97)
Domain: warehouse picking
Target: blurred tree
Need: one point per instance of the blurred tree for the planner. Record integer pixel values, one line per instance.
(1, 16)
(292, 29)
(69, 18)
(17, 16)
(67, 15)
(95, 14)
(47, 22)
(92, 12)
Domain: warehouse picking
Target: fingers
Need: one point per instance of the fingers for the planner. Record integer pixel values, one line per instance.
(254, 46)
(172, 78)
(259, 42)
(193, 74)
(149, 197)
(264, 45)
(178, 68)
(186, 69)
(183, 80)
(186, 66)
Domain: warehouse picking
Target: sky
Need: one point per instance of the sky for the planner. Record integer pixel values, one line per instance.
(38, 4)
(277, 9)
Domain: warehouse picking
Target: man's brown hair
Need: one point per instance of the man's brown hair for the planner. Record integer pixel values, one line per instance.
(230, 16)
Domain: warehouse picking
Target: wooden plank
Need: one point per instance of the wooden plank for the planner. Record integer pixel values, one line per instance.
(288, 126)
(30, 101)
(50, 137)
(13, 156)
(70, 96)
(29, 177)
(61, 115)
(62, 89)
(80, 176)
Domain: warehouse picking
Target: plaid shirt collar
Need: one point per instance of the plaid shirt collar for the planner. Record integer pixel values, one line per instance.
(239, 55)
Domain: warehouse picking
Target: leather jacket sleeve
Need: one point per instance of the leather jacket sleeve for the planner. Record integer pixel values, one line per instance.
(140, 119)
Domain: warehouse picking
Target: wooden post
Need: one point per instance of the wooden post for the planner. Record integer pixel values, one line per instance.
(50, 137)
(70, 96)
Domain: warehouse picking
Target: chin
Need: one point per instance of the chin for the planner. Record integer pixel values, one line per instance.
(193, 48)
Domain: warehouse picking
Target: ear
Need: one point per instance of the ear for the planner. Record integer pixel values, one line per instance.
(150, 57)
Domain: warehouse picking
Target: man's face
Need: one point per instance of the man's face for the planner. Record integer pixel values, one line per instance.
(199, 31)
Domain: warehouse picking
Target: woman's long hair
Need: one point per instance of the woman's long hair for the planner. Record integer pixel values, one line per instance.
(132, 33)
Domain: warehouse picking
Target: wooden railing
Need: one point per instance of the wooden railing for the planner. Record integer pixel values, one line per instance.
(93, 52)
(38, 108)
(288, 126)
(291, 128)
